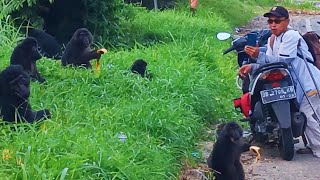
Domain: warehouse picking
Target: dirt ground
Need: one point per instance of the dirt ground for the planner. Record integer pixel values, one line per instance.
(271, 166)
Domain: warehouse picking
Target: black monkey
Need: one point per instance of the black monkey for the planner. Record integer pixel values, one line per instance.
(225, 156)
(26, 54)
(62, 18)
(14, 97)
(139, 66)
(78, 51)
(48, 45)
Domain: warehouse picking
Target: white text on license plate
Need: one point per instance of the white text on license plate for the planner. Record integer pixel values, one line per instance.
(277, 94)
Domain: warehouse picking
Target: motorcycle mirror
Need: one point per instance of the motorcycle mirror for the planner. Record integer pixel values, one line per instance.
(223, 36)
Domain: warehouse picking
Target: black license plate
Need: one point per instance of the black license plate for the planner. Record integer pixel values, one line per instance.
(277, 94)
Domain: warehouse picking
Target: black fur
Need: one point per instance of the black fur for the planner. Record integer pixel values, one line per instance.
(78, 51)
(26, 54)
(225, 156)
(62, 17)
(14, 97)
(140, 67)
(48, 45)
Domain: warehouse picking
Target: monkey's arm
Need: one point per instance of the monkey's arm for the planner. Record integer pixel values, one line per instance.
(41, 115)
(86, 57)
(243, 145)
(34, 74)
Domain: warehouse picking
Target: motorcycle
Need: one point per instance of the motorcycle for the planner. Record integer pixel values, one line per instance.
(269, 104)
(238, 45)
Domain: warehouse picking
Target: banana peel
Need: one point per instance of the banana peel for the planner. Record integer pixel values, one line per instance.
(43, 127)
(19, 161)
(97, 67)
(6, 154)
(255, 149)
(102, 51)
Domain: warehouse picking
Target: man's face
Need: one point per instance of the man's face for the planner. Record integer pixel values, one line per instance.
(278, 25)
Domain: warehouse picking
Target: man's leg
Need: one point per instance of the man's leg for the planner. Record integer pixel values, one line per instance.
(193, 6)
(312, 128)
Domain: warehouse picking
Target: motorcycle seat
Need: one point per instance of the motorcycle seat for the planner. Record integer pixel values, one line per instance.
(269, 66)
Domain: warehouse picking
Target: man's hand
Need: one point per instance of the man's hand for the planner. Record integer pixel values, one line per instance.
(253, 52)
(244, 70)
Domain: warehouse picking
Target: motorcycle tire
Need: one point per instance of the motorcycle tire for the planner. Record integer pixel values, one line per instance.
(286, 144)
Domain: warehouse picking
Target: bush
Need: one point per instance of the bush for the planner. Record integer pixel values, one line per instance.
(61, 18)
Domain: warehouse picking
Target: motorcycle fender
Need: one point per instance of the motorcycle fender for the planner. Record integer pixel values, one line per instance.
(282, 111)
(258, 111)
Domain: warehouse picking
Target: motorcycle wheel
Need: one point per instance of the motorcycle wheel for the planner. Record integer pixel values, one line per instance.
(286, 144)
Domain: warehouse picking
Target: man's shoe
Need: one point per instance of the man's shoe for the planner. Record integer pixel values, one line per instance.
(306, 150)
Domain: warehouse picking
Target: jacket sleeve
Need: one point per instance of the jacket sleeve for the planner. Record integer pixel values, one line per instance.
(287, 50)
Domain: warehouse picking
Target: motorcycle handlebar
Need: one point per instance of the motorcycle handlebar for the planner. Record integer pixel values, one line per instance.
(229, 50)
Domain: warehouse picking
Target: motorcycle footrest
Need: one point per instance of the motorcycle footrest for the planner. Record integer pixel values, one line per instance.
(296, 141)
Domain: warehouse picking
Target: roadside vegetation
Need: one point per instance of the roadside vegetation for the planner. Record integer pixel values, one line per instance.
(193, 86)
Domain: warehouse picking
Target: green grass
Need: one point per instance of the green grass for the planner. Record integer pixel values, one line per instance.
(303, 5)
(163, 119)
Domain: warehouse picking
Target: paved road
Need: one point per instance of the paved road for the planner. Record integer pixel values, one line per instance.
(303, 166)
(306, 23)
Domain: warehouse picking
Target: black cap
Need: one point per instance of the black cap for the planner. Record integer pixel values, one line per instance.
(277, 11)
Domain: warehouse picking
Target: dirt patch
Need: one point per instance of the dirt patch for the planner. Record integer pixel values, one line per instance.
(200, 172)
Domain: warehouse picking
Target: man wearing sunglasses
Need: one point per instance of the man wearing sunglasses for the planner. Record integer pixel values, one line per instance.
(285, 46)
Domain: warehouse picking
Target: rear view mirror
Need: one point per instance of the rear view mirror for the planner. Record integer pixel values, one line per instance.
(223, 36)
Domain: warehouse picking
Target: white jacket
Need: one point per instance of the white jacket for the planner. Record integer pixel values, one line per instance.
(285, 49)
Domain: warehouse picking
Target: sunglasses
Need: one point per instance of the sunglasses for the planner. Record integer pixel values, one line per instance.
(277, 21)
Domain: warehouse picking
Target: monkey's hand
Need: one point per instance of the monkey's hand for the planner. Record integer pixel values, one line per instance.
(102, 51)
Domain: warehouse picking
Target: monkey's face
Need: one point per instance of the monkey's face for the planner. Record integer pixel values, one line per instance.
(138, 69)
(35, 52)
(30, 45)
(234, 131)
(21, 86)
(83, 37)
(139, 66)
(140, 62)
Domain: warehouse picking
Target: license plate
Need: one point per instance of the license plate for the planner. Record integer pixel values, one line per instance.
(277, 94)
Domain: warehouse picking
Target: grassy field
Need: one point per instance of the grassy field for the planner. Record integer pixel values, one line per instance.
(193, 86)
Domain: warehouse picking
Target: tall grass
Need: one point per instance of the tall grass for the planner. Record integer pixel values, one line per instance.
(9, 34)
(193, 84)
